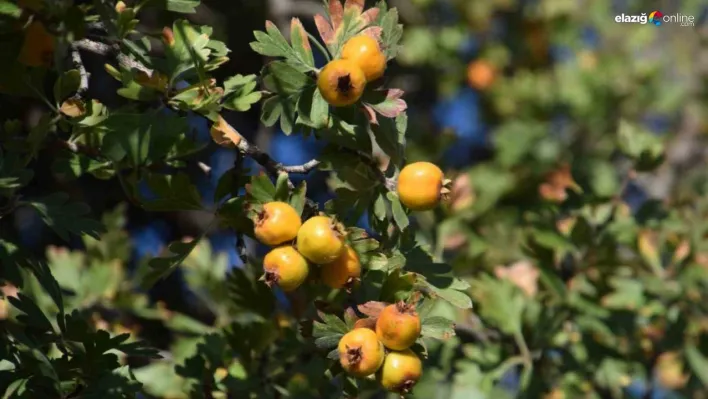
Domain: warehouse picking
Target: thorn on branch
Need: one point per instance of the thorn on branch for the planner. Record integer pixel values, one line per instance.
(204, 168)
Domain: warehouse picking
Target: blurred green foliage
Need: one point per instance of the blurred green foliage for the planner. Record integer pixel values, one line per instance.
(572, 259)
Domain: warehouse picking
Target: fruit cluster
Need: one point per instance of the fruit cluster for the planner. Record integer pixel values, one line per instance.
(320, 240)
(384, 351)
(341, 82)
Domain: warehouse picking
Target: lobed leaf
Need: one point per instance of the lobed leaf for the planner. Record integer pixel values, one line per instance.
(172, 193)
(66, 217)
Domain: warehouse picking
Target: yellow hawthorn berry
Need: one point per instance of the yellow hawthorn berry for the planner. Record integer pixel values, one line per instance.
(398, 326)
(38, 46)
(400, 371)
(276, 223)
(420, 186)
(320, 240)
(364, 50)
(285, 267)
(343, 271)
(360, 352)
(480, 75)
(341, 83)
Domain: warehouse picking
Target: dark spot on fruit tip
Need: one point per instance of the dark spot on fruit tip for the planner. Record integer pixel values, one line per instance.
(271, 279)
(344, 84)
(354, 355)
(406, 387)
(261, 216)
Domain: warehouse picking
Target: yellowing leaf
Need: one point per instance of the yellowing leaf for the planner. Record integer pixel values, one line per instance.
(73, 108)
(224, 134)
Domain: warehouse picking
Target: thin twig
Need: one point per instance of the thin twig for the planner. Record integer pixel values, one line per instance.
(77, 148)
(271, 166)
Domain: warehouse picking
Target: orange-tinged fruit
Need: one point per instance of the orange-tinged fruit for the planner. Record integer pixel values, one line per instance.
(364, 50)
(398, 326)
(420, 186)
(341, 83)
(285, 267)
(400, 371)
(480, 75)
(277, 223)
(360, 353)
(320, 240)
(343, 271)
(38, 46)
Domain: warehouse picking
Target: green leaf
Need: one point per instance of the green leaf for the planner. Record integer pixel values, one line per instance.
(134, 91)
(271, 109)
(272, 43)
(697, 361)
(66, 217)
(301, 44)
(391, 136)
(181, 6)
(172, 193)
(500, 303)
(399, 214)
(437, 327)
(391, 33)
(9, 9)
(299, 197)
(161, 267)
(189, 49)
(644, 147)
(239, 94)
(68, 83)
(33, 315)
(628, 294)
(72, 165)
(261, 189)
(282, 78)
(328, 332)
(141, 137)
(233, 214)
(313, 110)
(282, 191)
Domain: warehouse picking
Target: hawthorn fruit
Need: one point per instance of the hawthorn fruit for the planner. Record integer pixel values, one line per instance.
(360, 352)
(320, 240)
(341, 83)
(285, 267)
(277, 223)
(398, 326)
(365, 52)
(401, 370)
(420, 186)
(343, 271)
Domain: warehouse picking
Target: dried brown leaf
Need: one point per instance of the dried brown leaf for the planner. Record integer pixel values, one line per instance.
(372, 308)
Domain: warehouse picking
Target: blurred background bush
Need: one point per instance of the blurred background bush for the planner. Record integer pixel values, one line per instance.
(527, 105)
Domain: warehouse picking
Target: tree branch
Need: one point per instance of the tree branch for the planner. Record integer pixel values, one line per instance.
(111, 50)
(79, 64)
(269, 164)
